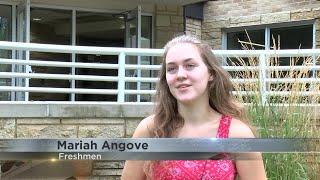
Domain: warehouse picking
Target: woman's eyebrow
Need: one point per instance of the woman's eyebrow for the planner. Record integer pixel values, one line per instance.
(184, 61)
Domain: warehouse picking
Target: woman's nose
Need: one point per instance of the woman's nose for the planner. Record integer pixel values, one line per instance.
(181, 73)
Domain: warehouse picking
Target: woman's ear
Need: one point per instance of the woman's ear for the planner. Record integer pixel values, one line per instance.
(211, 77)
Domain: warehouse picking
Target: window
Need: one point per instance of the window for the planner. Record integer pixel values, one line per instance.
(287, 36)
(241, 39)
(5, 35)
(50, 26)
(247, 39)
(98, 29)
(277, 36)
(54, 26)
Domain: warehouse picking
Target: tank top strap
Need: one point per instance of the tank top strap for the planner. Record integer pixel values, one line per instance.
(224, 126)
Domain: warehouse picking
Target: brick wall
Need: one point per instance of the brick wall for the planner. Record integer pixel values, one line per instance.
(74, 121)
(74, 128)
(236, 13)
(193, 27)
(223, 8)
(83, 121)
(168, 23)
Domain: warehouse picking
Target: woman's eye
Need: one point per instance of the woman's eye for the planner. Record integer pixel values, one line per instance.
(171, 69)
(190, 66)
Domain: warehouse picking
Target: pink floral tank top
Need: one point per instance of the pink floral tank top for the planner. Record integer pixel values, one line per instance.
(197, 169)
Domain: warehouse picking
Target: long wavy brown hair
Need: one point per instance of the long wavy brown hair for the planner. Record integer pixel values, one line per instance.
(167, 119)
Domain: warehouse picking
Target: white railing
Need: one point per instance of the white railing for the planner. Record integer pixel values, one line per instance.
(262, 68)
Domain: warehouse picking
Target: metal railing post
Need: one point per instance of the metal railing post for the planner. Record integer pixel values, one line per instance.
(139, 46)
(27, 67)
(121, 75)
(73, 55)
(313, 85)
(262, 78)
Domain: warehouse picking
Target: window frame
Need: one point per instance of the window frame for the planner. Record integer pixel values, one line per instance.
(73, 10)
(267, 28)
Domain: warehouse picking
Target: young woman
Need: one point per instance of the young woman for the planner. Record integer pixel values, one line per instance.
(194, 100)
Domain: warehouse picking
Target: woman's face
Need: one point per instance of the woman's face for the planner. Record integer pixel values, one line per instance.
(187, 75)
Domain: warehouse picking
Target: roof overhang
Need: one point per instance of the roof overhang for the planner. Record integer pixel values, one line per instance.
(176, 2)
(116, 6)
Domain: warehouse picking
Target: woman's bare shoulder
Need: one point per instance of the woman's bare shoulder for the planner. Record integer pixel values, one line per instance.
(144, 129)
(239, 129)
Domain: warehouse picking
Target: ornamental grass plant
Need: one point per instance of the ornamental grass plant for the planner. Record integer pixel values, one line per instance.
(290, 114)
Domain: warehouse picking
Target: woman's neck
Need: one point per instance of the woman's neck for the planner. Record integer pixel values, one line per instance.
(197, 113)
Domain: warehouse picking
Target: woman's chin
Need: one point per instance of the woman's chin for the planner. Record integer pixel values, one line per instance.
(190, 98)
(185, 100)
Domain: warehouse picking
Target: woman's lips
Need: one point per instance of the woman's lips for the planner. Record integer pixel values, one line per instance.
(183, 86)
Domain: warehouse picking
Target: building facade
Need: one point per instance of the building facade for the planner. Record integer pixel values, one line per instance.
(98, 23)
(136, 24)
(225, 21)
(257, 24)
